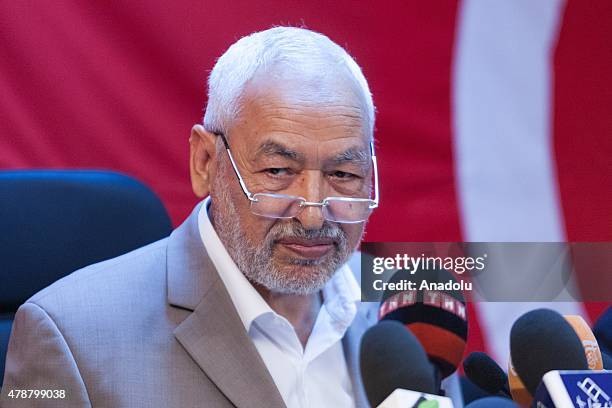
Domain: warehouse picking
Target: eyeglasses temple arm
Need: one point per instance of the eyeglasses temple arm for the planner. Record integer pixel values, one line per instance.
(245, 190)
(375, 163)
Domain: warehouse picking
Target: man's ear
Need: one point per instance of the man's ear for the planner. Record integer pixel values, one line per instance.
(202, 155)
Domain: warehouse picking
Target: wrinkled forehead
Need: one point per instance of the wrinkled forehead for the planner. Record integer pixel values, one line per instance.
(312, 121)
(314, 82)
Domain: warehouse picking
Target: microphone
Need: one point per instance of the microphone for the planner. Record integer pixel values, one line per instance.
(395, 369)
(437, 318)
(542, 340)
(591, 350)
(492, 402)
(483, 371)
(519, 393)
(410, 399)
(589, 342)
(607, 361)
(603, 331)
(585, 388)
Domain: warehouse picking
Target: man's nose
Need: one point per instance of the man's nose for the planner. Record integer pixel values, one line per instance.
(311, 217)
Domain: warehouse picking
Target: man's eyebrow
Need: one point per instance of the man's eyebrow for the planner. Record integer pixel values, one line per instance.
(353, 155)
(271, 148)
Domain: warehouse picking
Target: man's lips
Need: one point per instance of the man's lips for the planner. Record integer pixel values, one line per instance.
(308, 248)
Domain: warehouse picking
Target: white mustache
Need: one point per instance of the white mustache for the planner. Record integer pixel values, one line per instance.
(295, 230)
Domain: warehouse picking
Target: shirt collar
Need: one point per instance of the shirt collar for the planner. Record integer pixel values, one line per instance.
(340, 294)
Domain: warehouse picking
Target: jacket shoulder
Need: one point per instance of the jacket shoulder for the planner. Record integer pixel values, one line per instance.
(115, 275)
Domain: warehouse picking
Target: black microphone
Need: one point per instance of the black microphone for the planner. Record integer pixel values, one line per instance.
(483, 371)
(540, 341)
(437, 317)
(603, 331)
(392, 358)
(607, 360)
(492, 402)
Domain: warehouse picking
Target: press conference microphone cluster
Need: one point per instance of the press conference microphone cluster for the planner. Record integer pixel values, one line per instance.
(419, 341)
(556, 365)
(485, 373)
(554, 356)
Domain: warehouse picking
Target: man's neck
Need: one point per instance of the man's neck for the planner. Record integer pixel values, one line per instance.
(300, 310)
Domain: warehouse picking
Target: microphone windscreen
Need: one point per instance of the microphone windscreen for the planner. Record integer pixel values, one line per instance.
(437, 317)
(519, 393)
(589, 342)
(483, 371)
(492, 402)
(542, 340)
(390, 357)
(607, 361)
(603, 331)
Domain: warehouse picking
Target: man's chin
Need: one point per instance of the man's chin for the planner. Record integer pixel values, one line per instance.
(303, 275)
(300, 282)
(288, 272)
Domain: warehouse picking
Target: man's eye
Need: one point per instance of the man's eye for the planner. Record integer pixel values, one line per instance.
(277, 171)
(343, 175)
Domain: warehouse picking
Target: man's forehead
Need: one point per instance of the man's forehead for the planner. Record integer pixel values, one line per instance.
(304, 121)
(327, 100)
(324, 118)
(330, 82)
(349, 150)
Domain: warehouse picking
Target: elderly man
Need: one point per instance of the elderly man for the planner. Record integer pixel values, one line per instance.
(250, 302)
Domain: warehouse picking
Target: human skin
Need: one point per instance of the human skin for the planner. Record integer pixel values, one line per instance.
(316, 118)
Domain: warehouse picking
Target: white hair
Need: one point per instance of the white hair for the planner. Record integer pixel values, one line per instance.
(285, 47)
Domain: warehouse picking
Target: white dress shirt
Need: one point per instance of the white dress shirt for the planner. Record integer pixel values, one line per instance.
(316, 376)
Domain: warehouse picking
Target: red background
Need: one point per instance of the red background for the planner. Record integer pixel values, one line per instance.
(88, 85)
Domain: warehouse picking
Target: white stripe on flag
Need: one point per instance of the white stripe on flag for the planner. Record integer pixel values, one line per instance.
(504, 159)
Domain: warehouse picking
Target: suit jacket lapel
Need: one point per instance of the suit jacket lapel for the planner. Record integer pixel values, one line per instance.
(215, 337)
(213, 334)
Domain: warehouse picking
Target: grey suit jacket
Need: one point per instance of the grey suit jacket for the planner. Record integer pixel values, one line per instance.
(152, 328)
